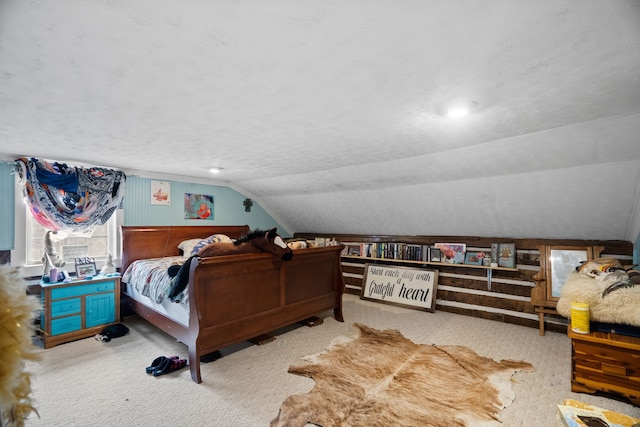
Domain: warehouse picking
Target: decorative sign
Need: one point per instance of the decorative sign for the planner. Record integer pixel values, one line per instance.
(403, 286)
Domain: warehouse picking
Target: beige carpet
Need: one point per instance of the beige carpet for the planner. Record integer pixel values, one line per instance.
(89, 383)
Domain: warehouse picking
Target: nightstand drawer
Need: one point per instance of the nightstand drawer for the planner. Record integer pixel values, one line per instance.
(66, 324)
(65, 307)
(79, 290)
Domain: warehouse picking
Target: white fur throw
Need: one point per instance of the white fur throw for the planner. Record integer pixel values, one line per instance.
(619, 306)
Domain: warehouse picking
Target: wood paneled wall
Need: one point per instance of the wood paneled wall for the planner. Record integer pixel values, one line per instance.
(490, 294)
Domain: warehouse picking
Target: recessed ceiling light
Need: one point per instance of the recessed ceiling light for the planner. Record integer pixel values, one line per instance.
(215, 170)
(459, 109)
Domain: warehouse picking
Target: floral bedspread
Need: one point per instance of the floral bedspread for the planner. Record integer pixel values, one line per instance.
(150, 278)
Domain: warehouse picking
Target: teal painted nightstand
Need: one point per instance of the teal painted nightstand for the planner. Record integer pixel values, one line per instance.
(78, 309)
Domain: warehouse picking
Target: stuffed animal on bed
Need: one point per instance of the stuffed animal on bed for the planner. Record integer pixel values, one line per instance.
(256, 241)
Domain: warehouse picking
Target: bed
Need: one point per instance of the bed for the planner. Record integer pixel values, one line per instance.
(232, 298)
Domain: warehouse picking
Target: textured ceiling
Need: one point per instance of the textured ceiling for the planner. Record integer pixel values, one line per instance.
(329, 113)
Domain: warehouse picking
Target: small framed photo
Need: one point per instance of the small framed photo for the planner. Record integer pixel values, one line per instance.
(434, 254)
(85, 267)
(474, 258)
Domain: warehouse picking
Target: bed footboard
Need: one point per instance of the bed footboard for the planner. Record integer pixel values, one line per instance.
(236, 298)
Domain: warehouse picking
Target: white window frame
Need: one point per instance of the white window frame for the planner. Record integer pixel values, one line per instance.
(19, 252)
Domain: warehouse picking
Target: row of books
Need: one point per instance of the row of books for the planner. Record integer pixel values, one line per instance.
(501, 254)
(395, 251)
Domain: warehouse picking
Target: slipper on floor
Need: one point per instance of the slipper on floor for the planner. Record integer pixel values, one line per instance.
(169, 365)
(157, 362)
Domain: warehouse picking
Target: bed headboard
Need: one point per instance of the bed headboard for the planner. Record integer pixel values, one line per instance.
(162, 241)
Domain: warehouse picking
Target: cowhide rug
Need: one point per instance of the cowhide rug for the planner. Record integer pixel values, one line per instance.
(380, 378)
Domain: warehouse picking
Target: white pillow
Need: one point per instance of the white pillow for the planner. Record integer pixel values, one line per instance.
(186, 246)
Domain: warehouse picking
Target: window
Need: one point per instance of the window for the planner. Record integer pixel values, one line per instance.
(29, 242)
(68, 248)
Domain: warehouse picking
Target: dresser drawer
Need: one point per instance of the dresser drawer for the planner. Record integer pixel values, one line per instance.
(79, 290)
(607, 359)
(65, 307)
(606, 367)
(65, 324)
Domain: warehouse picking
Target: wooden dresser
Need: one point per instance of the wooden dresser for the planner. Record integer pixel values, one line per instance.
(606, 362)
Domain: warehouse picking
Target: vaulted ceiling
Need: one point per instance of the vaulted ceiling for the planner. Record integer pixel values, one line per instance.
(330, 113)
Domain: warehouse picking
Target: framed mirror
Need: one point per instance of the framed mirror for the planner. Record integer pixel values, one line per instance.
(556, 262)
(561, 263)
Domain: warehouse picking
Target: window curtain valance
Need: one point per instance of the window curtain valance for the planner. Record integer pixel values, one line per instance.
(70, 199)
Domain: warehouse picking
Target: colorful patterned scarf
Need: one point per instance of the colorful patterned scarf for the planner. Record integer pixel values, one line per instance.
(70, 199)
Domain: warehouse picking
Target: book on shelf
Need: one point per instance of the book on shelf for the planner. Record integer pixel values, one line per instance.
(574, 413)
(364, 249)
(351, 249)
(494, 252)
(412, 252)
(425, 254)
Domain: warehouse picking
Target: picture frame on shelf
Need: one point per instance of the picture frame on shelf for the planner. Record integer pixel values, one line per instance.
(474, 257)
(452, 253)
(507, 255)
(85, 267)
(434, 254)
(353, 250)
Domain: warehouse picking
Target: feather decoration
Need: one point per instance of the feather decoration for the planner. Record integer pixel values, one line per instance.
(17, 311)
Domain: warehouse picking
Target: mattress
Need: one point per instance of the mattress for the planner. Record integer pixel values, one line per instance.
(148, 282)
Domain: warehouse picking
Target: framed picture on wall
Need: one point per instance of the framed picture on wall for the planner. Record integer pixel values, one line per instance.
(198, 206)
(160, 193)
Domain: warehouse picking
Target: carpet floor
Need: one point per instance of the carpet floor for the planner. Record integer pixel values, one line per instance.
(88, 382)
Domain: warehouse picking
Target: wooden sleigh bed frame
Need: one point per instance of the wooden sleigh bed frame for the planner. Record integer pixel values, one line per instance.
(235, 298)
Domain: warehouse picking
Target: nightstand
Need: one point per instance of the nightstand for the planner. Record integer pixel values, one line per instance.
(78, 309)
